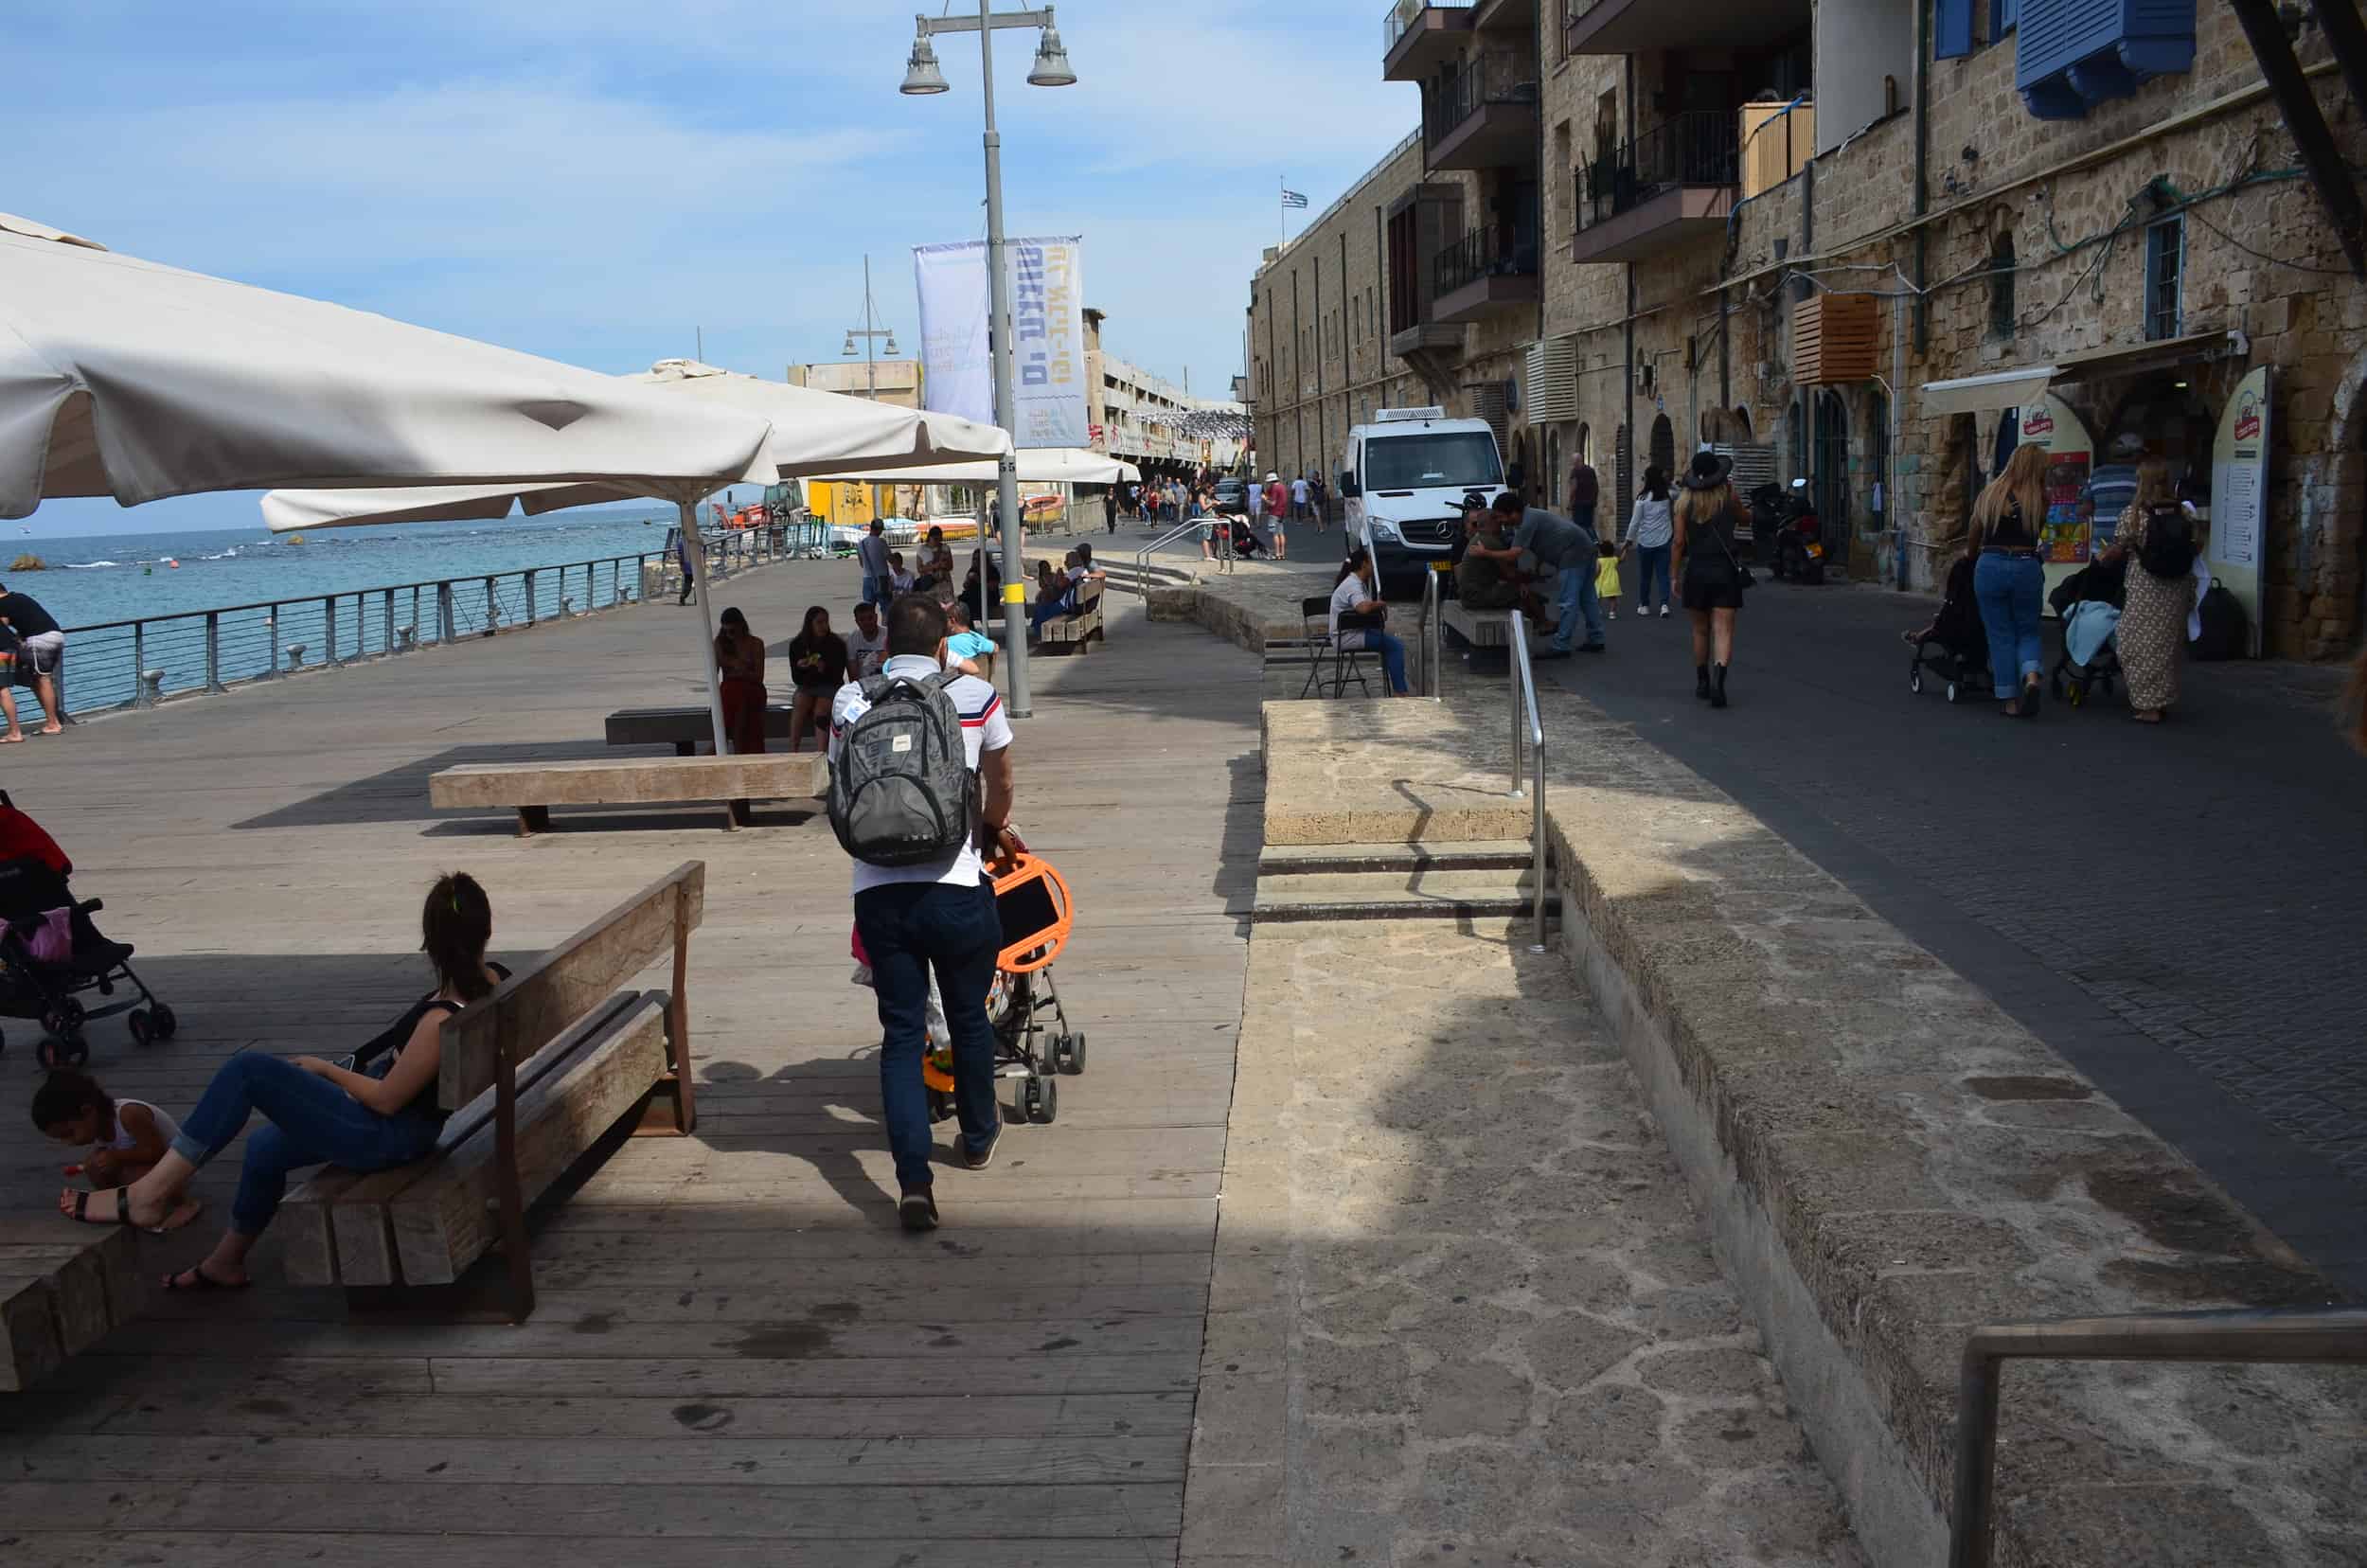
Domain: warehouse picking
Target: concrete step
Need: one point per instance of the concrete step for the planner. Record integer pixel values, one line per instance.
(1499, 893)
(1313, 859)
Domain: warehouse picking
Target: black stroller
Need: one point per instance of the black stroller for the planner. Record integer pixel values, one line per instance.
(33, 884)
(2104, 583)
(1955, 647)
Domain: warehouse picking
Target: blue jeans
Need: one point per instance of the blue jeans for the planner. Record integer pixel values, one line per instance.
(1578, 599)
(2011, 592)
(310, 1121)
(1651, 565)
(873, 591)
(1392, 652)
(908, 929)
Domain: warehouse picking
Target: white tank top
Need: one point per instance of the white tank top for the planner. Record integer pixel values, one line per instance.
(166, 1128)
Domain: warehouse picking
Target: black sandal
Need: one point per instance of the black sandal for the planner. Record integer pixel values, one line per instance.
(123, 1205)
(200, 1280)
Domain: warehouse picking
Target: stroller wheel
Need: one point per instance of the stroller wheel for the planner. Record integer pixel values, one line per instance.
(65, 1021)
(161, 1019)
(1041, 1100)
(54, 1053)
(940, 1105)
(1068, 1054)
(143, 1030)
(1953, 690)
(1914, 678)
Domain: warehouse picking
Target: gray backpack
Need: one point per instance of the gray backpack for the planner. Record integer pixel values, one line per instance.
(901, 788)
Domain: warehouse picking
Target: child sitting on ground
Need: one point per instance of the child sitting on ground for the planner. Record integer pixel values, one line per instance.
(125, 1136)
(1607, 579)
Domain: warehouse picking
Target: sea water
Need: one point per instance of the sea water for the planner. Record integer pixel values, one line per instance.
(274, 590)
(121, 576)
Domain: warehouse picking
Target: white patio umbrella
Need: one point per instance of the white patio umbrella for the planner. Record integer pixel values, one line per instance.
(125, 378)
(1036, 466)
(810, 431)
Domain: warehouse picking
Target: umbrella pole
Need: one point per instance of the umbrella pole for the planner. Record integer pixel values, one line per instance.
(706, 616)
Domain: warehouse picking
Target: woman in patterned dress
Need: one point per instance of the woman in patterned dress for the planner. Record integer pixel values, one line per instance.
(2153, 620)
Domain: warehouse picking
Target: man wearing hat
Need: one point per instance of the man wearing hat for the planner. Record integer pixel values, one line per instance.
(1559, 546)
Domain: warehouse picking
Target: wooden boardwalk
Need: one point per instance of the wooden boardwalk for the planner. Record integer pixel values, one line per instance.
(736, 1359)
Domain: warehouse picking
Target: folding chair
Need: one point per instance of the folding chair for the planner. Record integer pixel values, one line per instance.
(1315, 614)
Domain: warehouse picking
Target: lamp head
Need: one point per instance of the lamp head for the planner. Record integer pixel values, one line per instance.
(891, 345)
(1051, 67)
(849, 348)
(922, 76)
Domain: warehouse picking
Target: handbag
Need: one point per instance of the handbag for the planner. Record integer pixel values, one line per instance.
(1742, 573)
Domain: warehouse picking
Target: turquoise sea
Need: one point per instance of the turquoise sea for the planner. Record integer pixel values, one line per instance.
(117, 577)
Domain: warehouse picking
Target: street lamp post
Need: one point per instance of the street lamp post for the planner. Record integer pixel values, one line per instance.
(922, 77)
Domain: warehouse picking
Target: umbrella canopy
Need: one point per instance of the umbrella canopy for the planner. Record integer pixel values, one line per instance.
(1036, 466)
(120, 377)
(812, 432)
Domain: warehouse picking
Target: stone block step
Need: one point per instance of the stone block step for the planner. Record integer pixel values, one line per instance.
(1496, 893)
(1473, 855)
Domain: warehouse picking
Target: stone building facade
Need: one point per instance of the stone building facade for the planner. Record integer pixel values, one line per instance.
(1708, 180)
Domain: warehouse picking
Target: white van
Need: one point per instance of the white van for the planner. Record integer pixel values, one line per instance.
(1406, 473)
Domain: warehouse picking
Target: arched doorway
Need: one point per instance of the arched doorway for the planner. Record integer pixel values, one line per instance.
(1663, 445)
(1586, 442)
(1742, 421)
(1877, 460)
(1830, 482)
(1623, 470)
(1552, 476)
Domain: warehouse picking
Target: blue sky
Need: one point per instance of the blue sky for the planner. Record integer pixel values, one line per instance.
(598, 179)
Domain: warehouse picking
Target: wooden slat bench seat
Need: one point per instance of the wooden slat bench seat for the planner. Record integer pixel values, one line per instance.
(1081, 627)
(63, 1286)
(534, 1076)
(531, 789)
(686, 729)
(1479, 627)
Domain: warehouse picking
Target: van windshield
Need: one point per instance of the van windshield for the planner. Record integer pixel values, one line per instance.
(1439, 459)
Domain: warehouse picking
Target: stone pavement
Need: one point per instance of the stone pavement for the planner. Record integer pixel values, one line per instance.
(2175, 910)
(1462, 1310)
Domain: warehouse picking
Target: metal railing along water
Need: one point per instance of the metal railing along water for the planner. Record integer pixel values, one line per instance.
(1524, 710)
(2334, 1335)
(141, 662)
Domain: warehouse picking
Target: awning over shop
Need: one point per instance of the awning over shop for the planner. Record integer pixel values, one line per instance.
(1979, 394)
(2025, 384)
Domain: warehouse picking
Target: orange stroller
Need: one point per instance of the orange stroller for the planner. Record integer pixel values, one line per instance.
(1034, 903)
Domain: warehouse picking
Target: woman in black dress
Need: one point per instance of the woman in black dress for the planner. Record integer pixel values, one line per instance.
(1709, 574)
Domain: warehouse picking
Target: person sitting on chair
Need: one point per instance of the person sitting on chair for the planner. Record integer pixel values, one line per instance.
(1354, 593)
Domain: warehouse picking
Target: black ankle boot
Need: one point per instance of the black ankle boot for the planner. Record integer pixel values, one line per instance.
(1717, 688)
(1701, 682)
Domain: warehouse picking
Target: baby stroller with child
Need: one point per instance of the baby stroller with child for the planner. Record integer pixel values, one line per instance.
(1954, 647)
(1033, 901)
(51, 956)
(2088, 602)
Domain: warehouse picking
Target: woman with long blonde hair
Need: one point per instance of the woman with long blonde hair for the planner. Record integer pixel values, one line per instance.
(2009, 578)
(2159, 538)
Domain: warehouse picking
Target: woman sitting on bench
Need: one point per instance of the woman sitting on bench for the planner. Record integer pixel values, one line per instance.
(315, 1112)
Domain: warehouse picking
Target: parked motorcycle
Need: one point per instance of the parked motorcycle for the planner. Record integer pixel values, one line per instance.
(1790, 539)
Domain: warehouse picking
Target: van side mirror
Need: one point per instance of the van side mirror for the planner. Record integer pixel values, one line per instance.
(1348, 484)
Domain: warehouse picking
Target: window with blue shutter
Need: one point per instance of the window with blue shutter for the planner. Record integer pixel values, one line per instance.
(2004, 16)
(1952, 28)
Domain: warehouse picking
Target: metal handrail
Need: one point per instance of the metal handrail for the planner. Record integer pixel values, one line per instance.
(1141, 557)
(2336, 1335)
(1525, 705)
(1430, 651)
(140, 662)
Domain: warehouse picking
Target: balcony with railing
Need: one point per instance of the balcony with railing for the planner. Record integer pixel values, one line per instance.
(1484, 115)
(1415, 39)
(1672, 184)
(1488, 269)
(1646, 26)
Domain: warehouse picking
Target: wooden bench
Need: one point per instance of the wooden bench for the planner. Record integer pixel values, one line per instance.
(534, 1076)
(61, 1292)
(1081, 627)
(1478, 628)
(531, 789)
(686, 729)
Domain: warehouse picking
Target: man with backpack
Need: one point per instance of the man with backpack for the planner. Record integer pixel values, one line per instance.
(909, 750)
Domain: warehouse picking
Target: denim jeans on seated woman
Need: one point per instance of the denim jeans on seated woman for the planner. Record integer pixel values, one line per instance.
(310, 1121)
(2011, 591)
(1390, 647)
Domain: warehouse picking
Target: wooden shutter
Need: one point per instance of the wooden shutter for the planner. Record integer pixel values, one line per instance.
(1952, 28)
(1835, 338)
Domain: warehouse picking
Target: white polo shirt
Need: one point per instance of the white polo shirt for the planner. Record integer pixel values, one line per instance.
(984, 728)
